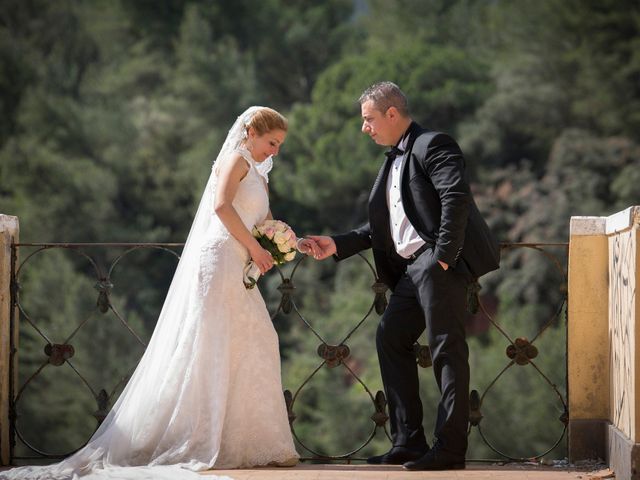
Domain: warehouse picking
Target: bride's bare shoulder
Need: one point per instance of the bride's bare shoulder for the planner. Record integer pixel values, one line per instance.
(235, 164)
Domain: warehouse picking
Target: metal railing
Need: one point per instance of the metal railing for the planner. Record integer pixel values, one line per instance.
(520, 351)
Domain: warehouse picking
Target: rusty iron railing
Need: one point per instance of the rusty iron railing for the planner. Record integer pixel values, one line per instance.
(520, 351)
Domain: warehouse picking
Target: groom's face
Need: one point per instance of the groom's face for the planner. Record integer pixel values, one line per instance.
(376, 124)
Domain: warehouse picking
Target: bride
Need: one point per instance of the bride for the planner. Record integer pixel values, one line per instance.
(207, 392)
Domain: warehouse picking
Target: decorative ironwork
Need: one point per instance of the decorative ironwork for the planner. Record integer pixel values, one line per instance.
(380, 301)
(423, 355)
(475, 415)
(103, 286)
(61, 354)
(58, 354)
(522, 351)
(288, 400)
(286, 289)
(335, 356)
(380, 416)
(103, 406)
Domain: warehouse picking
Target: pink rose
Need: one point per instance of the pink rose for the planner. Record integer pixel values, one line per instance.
(270, 232)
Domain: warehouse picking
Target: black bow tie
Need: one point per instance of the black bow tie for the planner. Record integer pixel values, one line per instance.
(393, 153)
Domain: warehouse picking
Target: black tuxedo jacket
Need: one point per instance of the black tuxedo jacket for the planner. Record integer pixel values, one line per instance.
(438, 203)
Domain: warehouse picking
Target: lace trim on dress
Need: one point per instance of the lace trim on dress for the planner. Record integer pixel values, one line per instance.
(263, 168)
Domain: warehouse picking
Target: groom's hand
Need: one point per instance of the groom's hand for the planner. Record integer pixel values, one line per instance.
(325, 244)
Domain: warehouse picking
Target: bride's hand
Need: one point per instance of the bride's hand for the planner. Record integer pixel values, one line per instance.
(308, 246)
(262, 258)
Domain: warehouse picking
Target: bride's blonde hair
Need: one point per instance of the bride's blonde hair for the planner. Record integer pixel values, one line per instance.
(267, 119)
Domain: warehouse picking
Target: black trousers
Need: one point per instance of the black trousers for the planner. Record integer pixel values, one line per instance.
(428, 297)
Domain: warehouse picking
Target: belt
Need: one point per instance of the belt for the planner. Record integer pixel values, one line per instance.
(412, 258)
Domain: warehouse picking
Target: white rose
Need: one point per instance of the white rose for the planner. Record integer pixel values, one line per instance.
(284, 247)
(279, 238)
(290, 256)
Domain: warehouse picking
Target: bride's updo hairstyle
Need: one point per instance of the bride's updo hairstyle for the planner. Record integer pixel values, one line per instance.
(267, 119)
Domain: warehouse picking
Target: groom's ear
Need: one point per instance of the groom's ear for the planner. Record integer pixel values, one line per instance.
(392, 113)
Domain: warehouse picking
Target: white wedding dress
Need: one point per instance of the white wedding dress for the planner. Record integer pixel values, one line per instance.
(207, 392)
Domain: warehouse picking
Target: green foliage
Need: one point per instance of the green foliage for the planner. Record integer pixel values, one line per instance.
(557, 64)
(112, 113)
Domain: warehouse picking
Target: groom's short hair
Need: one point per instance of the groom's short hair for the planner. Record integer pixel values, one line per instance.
(385, 95)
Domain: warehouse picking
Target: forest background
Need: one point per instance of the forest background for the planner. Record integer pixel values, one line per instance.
(112, 112)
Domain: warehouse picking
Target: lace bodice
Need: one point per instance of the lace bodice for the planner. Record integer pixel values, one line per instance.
(252, 199)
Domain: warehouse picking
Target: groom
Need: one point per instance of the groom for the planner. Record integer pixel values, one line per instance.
(429, 241)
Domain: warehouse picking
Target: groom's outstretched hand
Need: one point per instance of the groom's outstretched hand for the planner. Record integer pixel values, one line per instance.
(325, 246)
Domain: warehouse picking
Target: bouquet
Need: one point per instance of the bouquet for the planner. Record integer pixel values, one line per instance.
(279, 240)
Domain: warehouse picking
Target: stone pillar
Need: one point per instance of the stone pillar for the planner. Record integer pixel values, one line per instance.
(603, 344)
(9, 230)
(623, 230)
(587, 345)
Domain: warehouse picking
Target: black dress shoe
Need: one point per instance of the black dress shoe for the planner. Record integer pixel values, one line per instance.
(397, 456)
(437, 459)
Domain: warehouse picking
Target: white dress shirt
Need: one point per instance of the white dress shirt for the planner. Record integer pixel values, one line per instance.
(405, 237)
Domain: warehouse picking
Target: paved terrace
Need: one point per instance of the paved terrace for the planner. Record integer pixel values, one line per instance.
(375, 472)
(304, 471)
